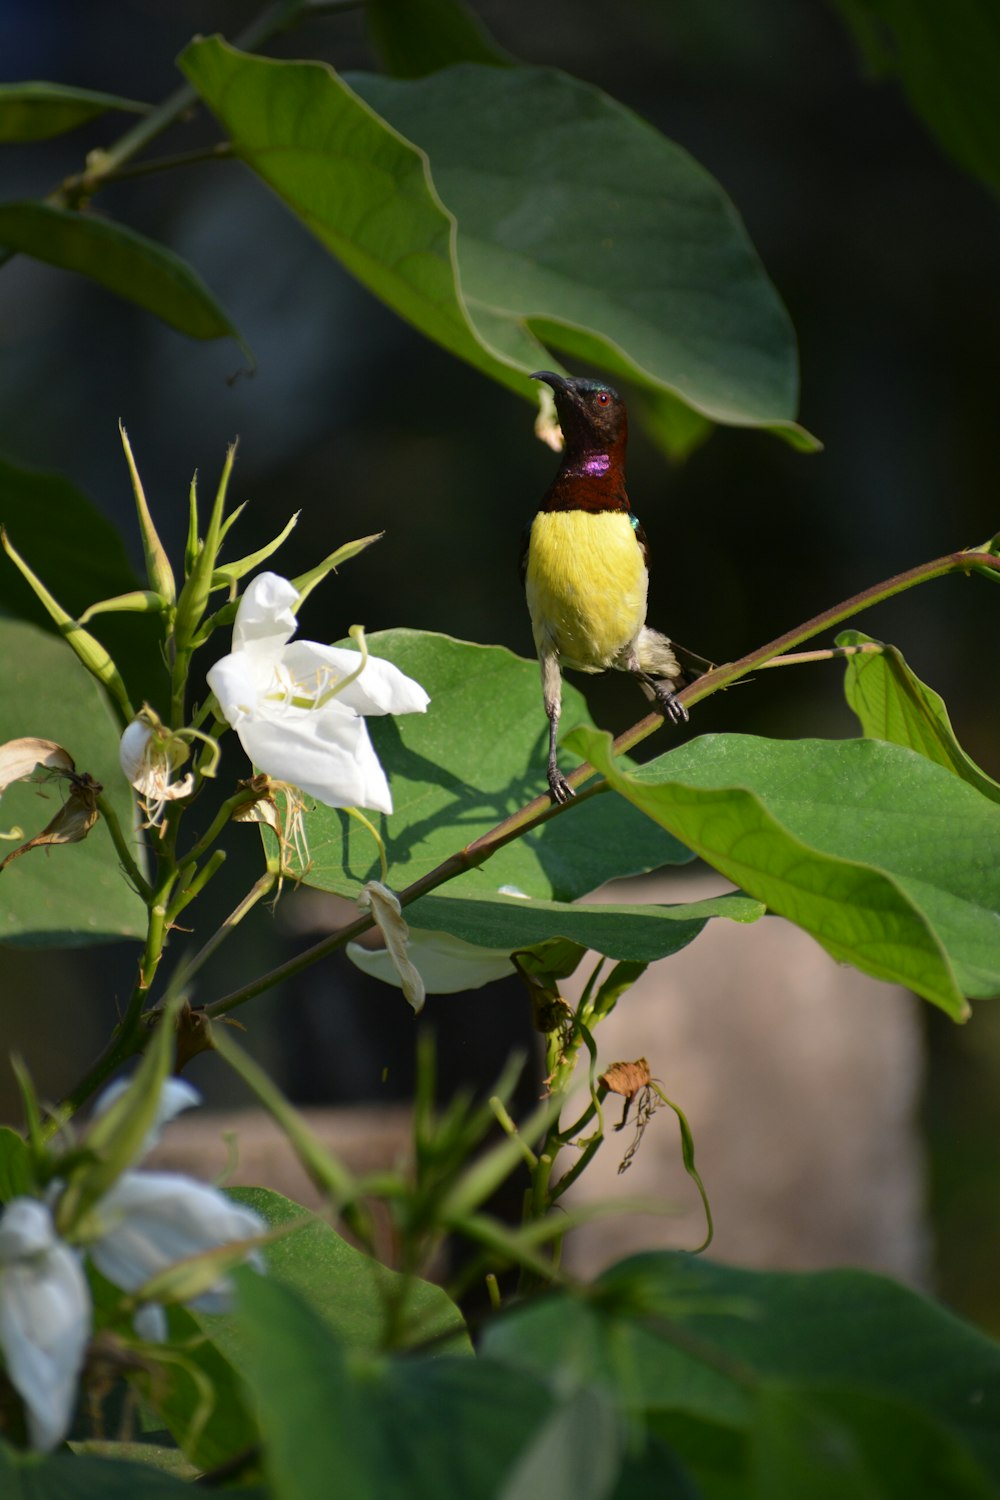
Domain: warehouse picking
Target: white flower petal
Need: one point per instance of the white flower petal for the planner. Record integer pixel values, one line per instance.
(45, 1313)
(381, 688)
(176, 1094)
(448, 964)
(151, 1220)
(150, 1323)
(266, 618)
(327, 755)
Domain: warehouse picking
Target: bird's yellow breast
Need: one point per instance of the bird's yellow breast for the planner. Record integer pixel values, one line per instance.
(586, 585)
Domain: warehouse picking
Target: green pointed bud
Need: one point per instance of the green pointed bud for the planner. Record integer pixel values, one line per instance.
(192, 546)
(87, 647)
(194, 595)
(232, 572)
(306, 582)
(139, 601)
(230, 521)
(158, 570)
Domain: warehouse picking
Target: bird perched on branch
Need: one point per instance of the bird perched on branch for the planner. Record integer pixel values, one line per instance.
(585, 564)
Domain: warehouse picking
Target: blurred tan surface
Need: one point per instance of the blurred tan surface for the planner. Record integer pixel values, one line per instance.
(800, 1079)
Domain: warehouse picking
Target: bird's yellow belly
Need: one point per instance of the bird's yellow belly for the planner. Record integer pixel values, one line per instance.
(586, 586)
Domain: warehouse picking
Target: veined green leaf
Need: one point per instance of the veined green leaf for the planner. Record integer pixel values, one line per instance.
(121, 260)
(697, 1348)
(893, 704)
(890, 862)
(500, 209)
(638, 933)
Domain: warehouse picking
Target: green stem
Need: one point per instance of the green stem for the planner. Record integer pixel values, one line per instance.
(724, 676)
(107, 163)
(122, 849)
(194, 887)
(232, 805)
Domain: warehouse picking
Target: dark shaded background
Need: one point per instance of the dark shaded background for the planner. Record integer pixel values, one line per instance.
(886, 257)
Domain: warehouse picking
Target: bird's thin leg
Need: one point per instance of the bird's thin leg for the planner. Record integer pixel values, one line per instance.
(658, 690)
(559, 787)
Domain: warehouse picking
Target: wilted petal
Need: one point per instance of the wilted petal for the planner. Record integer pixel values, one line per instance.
(45, 1313)
(149, 758)
(388, 914)
(151, 1220)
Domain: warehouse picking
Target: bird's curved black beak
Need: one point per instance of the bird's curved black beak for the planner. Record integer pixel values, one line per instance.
(557, 382)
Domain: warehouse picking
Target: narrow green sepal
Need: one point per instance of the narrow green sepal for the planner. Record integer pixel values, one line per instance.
(230, 521)
(231, 572)
(87, 647)
(192, 545)
(139, 602)
(194, 595)
(158, 570)
(306, 582)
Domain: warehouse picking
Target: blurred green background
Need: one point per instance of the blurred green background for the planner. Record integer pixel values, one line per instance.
(886, 256)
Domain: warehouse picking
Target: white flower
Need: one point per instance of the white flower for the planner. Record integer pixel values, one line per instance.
(297, 716)
(148, 1221)
(151, 1220)
(45, 1313)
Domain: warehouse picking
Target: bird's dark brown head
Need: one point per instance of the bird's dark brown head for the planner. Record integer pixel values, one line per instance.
(591, 414)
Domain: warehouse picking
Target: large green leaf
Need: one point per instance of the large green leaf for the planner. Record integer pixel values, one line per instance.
(35, 111)
(348, 1289)
(500, 208)
(475, 757)
(75, 894)
(695, 1346)
(121, 260)
(888, 860)
(638, 933)
(828, 1443)
(412, 1429)
(893, 704)
(947, 58)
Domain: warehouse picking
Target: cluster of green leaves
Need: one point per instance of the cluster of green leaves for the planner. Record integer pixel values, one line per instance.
(436, 191)
(668, 1375)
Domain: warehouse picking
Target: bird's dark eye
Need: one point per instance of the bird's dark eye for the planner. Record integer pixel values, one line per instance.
(603, 398)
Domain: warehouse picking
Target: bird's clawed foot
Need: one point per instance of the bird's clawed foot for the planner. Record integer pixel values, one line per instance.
(559, 788)
(669, 704)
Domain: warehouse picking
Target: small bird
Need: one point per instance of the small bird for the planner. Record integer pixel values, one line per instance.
(585, 564)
